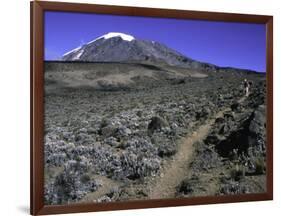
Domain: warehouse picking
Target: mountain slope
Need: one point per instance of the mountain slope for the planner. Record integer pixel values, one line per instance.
(119, 47)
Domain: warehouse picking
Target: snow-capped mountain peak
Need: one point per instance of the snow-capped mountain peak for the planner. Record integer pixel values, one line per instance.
(125, 37)
(78, 51)
(118, 34)
(120, 47)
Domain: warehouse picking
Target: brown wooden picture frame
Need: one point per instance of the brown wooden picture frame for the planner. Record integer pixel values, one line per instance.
(37, 105)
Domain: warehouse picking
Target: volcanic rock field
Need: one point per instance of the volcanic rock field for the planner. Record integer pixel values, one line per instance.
(131, 131)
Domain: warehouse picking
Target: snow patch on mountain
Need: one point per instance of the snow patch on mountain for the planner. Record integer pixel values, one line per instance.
(117, 34)
(78, 55)
(125, 37)
(71, 51)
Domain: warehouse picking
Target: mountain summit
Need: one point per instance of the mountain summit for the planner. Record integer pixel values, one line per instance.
(120, 47)
(116, 34)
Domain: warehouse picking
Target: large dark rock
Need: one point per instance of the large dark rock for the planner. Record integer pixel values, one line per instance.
(156, 123)
(212, 139)
(258, 124)
(257, 130)
(235, 106)
(202, 113)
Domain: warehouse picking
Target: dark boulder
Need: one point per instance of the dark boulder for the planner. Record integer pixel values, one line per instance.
(211, 139)
(202, 113)
(258, 124)
(257, 131)
(235, 106)
(156, 123)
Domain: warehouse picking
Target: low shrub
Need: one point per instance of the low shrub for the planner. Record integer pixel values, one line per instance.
(259, 166)
(238, 172)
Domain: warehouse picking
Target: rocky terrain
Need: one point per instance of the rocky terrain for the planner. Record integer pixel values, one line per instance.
(118, 131)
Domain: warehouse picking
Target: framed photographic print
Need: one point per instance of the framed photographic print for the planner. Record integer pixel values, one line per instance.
(142, 107)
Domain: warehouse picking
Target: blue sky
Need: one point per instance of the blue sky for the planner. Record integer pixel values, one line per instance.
(238, 45)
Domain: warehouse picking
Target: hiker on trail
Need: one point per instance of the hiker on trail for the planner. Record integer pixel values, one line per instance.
(246, 87)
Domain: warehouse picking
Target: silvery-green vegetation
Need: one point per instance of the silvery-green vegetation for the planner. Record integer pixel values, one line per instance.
(112, 128)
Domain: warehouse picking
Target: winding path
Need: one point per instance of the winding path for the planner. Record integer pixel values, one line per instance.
(173, 174)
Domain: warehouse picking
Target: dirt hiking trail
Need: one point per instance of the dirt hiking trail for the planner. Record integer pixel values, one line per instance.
(177, 170)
